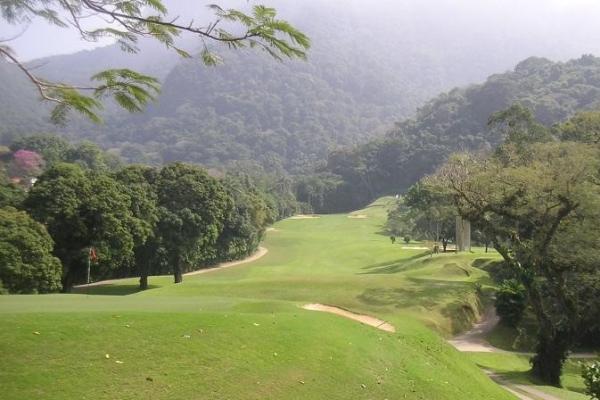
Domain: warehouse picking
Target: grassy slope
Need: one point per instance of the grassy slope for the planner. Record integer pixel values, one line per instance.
(239, 333)
(514, 368)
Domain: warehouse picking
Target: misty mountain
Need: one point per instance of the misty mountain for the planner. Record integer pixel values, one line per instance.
(370, 66)
(457, 121)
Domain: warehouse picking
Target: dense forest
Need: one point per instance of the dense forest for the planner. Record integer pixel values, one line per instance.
(365, 71)
(453, 121)
(64, 205)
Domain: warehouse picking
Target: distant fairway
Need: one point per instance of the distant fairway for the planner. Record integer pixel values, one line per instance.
(240, 333)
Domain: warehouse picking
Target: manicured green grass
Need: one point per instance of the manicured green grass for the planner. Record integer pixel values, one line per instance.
(514, 368)
(240, 333)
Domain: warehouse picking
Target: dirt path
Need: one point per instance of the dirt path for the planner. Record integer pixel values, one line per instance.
(474, 341)
(364, 319)
(262, 251)
(523, 392)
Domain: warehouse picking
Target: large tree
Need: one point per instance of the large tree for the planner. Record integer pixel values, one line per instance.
(139, 183)
(26, 261)
(540, 203)
(245, 224)
(129, 21)
(84, 209)
(192, 208)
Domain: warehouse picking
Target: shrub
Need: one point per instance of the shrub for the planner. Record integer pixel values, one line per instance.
(407, 239)
(591, 378)
(511, 301)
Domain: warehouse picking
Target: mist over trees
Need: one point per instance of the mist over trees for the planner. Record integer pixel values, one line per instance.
(368, 68)
(456, 121)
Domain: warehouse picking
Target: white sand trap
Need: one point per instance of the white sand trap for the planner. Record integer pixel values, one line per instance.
(416, 248)
(358, 216)
(271, 229)
(364, 319)
(304, 216)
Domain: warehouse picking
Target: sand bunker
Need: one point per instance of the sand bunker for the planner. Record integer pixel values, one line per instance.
(364, 319)
(303, 216)
(358, 216)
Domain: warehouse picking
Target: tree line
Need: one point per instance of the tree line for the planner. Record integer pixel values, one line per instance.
(536, 199)
(64, 206)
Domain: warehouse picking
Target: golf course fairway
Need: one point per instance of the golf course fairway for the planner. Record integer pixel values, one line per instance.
(241, 332)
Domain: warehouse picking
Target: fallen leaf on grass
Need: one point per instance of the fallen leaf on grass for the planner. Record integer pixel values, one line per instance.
(36, 333)
(119, 362)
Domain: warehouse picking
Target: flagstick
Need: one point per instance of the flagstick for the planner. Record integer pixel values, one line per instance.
(88, 270)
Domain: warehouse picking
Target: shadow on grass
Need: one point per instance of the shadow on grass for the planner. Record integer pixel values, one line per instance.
(392, 267)
(111, 290)
(463, 313)
(428, 294)
(526, 378)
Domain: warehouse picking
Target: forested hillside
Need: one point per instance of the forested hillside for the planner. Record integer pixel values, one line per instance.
(368, 67)
(457, 121)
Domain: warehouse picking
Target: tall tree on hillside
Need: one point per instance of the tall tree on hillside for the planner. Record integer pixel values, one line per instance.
(192, 208)
(129, 21)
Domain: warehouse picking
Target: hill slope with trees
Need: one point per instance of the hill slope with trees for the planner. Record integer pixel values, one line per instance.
(367, 68)
(457, 121)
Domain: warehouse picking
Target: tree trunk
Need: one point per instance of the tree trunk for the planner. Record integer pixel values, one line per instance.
(67, 283)
(553, 342)
(144, 281)
(551, 353)
(444, 244)
(178, 274)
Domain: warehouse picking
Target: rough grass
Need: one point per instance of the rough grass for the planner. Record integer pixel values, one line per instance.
(239, 333)
(514, 368)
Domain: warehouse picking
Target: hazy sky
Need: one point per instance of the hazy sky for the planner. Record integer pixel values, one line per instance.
(40, 39)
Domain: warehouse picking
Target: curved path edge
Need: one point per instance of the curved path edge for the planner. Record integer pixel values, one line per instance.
(261, 252)
(474, 341)
(364, 319)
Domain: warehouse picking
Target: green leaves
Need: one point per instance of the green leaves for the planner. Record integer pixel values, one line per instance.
(129, 21)
(130, 89)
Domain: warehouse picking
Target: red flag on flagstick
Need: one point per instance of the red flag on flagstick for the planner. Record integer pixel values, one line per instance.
(93, 254)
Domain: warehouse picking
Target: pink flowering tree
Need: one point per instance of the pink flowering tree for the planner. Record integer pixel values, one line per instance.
(27, 164)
